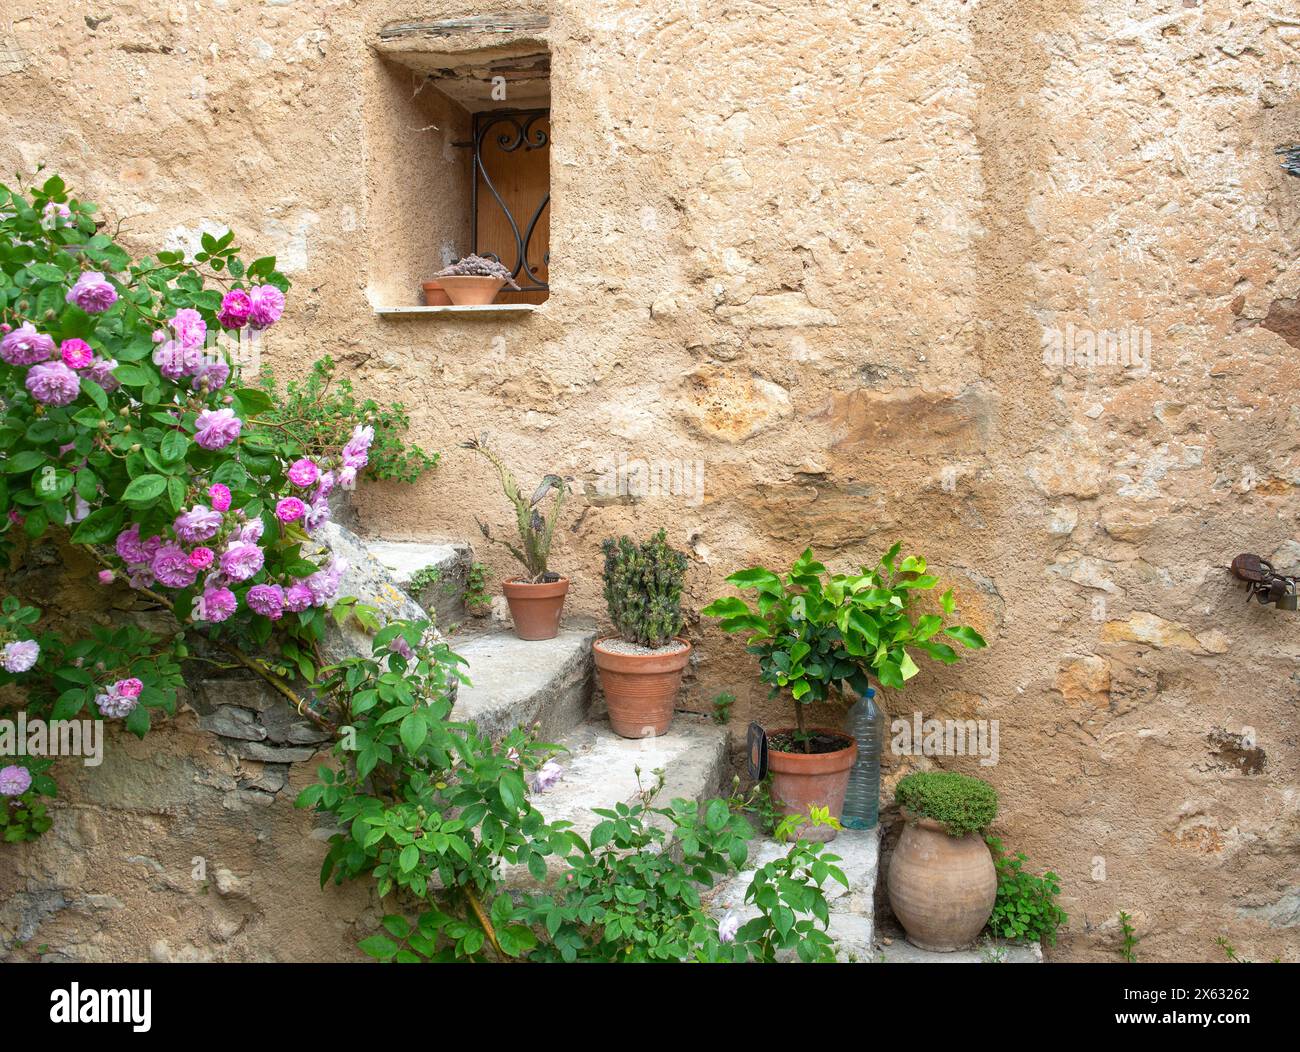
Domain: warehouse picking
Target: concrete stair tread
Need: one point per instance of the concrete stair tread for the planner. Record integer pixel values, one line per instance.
(443, 597)
(852, 908)
(518, 683)
(599, 770)
(986, 951)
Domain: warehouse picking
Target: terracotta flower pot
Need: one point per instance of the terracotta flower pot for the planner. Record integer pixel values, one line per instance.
(536, 608)
(435, 295)
(941, 887)
(820, 779)
(640, 688)
(469, 290)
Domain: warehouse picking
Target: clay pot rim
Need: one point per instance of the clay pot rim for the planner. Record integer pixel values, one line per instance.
(517, 583)
(595, 644)
(817, 764)
(852, 746)
(477, 279)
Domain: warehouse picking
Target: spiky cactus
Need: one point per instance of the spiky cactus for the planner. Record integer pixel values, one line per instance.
(643, 589)
(535, 533)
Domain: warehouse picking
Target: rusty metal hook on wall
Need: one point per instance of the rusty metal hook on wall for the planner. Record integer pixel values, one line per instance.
(1266, 584)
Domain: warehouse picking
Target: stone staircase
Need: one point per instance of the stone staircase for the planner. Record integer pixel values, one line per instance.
(549, 685)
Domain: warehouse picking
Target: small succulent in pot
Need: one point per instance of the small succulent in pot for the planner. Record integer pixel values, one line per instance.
(537, 597)
(473, 266)
(641, 668)
(643, 589)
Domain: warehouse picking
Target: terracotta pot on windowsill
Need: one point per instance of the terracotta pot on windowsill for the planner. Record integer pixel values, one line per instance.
(640, 688)
(536, 608)
(471, 290)
(435, 295)
(820, 779)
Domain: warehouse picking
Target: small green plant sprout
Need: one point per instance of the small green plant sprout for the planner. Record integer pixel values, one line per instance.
(790, 897)
(535, 532)
(477, 599)
(959, 803)
(423, 578)
(1128, 947)
(320, 412)
(643, 589)
(814, 631)
(788, 826)
(1026, 906)
(722, 707)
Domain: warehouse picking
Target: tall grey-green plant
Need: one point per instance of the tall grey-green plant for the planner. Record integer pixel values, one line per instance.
(535, 531)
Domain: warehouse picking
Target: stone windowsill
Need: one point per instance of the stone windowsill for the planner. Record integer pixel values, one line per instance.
(503, 309)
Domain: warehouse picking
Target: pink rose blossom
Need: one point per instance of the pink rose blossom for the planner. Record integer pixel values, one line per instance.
(53, 383)
(236, 307)
(202, 558)
(215, 604)
(128, 688)
(267, 600)
(290, 509)
(76, 354)
(14, 780)
(20, 655)
(190, 328)
(356, 454)
(171, 565)
(250, 532)
(101, 371)
(217, 428)
(242, 561)
(26, 346)
(200, 523)
(105, 576)
(92, 293)
(303, 473)
(267, 305)
(133, 550)
(220, 496)
(297, 597)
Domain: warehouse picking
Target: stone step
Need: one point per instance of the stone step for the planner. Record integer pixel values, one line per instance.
(433, 573)
(986, 951)
(600, 770)
(519, 683)
(852, 908)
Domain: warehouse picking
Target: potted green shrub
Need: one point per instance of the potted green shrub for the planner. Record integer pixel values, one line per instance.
(942, 882)
(472, 281)
(640, 668)
(536, 598)
(816, 633)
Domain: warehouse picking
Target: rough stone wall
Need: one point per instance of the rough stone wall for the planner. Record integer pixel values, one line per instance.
(813, 246)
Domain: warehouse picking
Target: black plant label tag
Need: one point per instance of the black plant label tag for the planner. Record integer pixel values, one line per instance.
(757, 752)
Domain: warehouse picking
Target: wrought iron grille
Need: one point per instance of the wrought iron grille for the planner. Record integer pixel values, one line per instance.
(516, 130)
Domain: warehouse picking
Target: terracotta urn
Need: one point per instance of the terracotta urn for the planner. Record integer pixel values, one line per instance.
(471, 290)
(820, 779)
(640, 684)
(941, 887)
(536, 608)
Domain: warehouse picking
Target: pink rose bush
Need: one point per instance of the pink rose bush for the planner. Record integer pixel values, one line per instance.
(130, 430)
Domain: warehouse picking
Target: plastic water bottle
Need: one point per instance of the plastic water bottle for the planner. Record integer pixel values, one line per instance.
(862, 801)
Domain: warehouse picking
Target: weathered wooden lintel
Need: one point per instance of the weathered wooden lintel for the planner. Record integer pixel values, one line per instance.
(516, 23)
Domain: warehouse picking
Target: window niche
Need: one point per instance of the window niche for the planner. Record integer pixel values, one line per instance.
(459, 157)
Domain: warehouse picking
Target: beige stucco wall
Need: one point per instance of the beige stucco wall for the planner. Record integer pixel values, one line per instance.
(814, 246)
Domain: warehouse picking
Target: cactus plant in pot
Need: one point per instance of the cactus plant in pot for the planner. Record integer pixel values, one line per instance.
(942, 881)
(641, 667)
(536, 598)
(818, 635)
